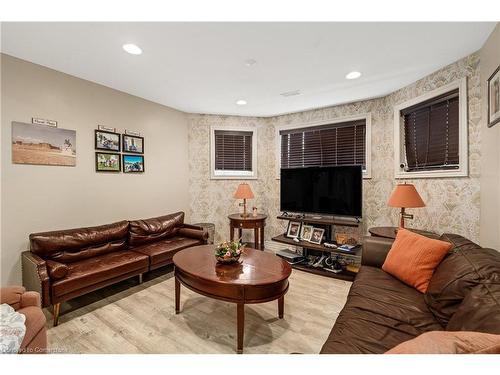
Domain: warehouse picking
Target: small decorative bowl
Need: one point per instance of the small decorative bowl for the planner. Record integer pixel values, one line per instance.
(228, 252)
(228, 260)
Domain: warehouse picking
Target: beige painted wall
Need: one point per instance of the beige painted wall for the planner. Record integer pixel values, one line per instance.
(490, 150)
(452, 204)
(39, 198)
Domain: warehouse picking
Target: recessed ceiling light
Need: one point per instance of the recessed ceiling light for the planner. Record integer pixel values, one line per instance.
(132, 49)
(353, 75)
(241, 102)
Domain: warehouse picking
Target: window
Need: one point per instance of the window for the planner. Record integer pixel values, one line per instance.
(233, 153)
(333, 143)
(431, 133)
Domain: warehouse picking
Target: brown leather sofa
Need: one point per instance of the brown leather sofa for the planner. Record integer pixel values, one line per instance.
(28, 304)
(382, 312)
(65, 264)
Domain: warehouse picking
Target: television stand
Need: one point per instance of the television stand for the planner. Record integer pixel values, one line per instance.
(309, 248)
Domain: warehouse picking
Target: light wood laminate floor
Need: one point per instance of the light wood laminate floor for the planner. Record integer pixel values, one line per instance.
(132, 318)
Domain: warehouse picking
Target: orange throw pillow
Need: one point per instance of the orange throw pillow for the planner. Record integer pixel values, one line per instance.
(413, 258)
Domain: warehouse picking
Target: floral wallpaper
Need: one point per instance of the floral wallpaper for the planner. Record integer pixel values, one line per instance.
(452, 204)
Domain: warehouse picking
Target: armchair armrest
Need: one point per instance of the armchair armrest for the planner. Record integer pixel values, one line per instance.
(375, 251)
(192, 231)
(11, 295)
(35, 276)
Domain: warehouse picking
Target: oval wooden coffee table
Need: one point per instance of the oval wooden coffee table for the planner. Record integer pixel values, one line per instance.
(258, 277)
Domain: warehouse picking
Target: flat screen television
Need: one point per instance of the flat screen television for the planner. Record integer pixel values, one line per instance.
(333, 191)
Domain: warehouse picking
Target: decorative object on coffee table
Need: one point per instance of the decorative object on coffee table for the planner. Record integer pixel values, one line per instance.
(261, 277)
(229, 252)
(257, 223)
(405, 196)
(244, 192)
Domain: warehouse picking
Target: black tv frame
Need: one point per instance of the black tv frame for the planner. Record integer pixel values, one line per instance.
(328, 214)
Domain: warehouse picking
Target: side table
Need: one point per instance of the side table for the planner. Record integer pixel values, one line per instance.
(257, 223)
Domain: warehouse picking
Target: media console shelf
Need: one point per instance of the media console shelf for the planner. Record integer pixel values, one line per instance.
(323, 221)
(309, 246)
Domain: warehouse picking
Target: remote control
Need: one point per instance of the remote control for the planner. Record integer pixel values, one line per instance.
(330, 245)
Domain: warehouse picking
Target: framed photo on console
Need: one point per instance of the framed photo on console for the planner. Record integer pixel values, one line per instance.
(107, 141)
(133, 144)
(293, 230)
(306, 232)
(317, 235)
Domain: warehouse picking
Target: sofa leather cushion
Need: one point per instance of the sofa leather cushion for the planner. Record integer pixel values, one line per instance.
(57, 270)
(466, 267)
(73, 245)
(97, 269)
(380, 313)
(439, 342)
(480, 309)
(413, 258)
(164, 250)
(154, 229)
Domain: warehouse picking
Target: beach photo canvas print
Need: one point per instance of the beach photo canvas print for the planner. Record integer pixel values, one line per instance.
(43, 145)
(133, 163)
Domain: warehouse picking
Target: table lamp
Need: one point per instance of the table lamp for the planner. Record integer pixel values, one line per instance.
(244, 192)
(405, 196)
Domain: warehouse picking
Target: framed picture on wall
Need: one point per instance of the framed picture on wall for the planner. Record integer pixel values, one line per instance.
(133, 144)
(43, 145)
(107, 141)
(133, 163)
(107, 162)
(494, 98)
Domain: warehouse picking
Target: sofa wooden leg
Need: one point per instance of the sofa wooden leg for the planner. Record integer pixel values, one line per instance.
(57, 308)
(140, 278)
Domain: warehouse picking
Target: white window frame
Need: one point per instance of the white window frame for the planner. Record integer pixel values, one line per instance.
(233, 175)
(399, 154)
(367, 173)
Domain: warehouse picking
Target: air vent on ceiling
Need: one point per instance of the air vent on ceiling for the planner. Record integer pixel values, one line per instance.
(290, 93)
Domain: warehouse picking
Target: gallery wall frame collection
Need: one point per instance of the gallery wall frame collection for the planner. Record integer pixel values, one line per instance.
(114, 143)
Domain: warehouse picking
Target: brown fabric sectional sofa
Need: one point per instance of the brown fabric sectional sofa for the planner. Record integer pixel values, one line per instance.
(65, 264)
(382, 312)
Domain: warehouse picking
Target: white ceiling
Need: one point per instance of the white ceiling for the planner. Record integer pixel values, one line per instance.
(200, 67)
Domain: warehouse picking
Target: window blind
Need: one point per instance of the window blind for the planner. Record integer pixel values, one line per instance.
(431, 133)
(233, 150)
(325, 145)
